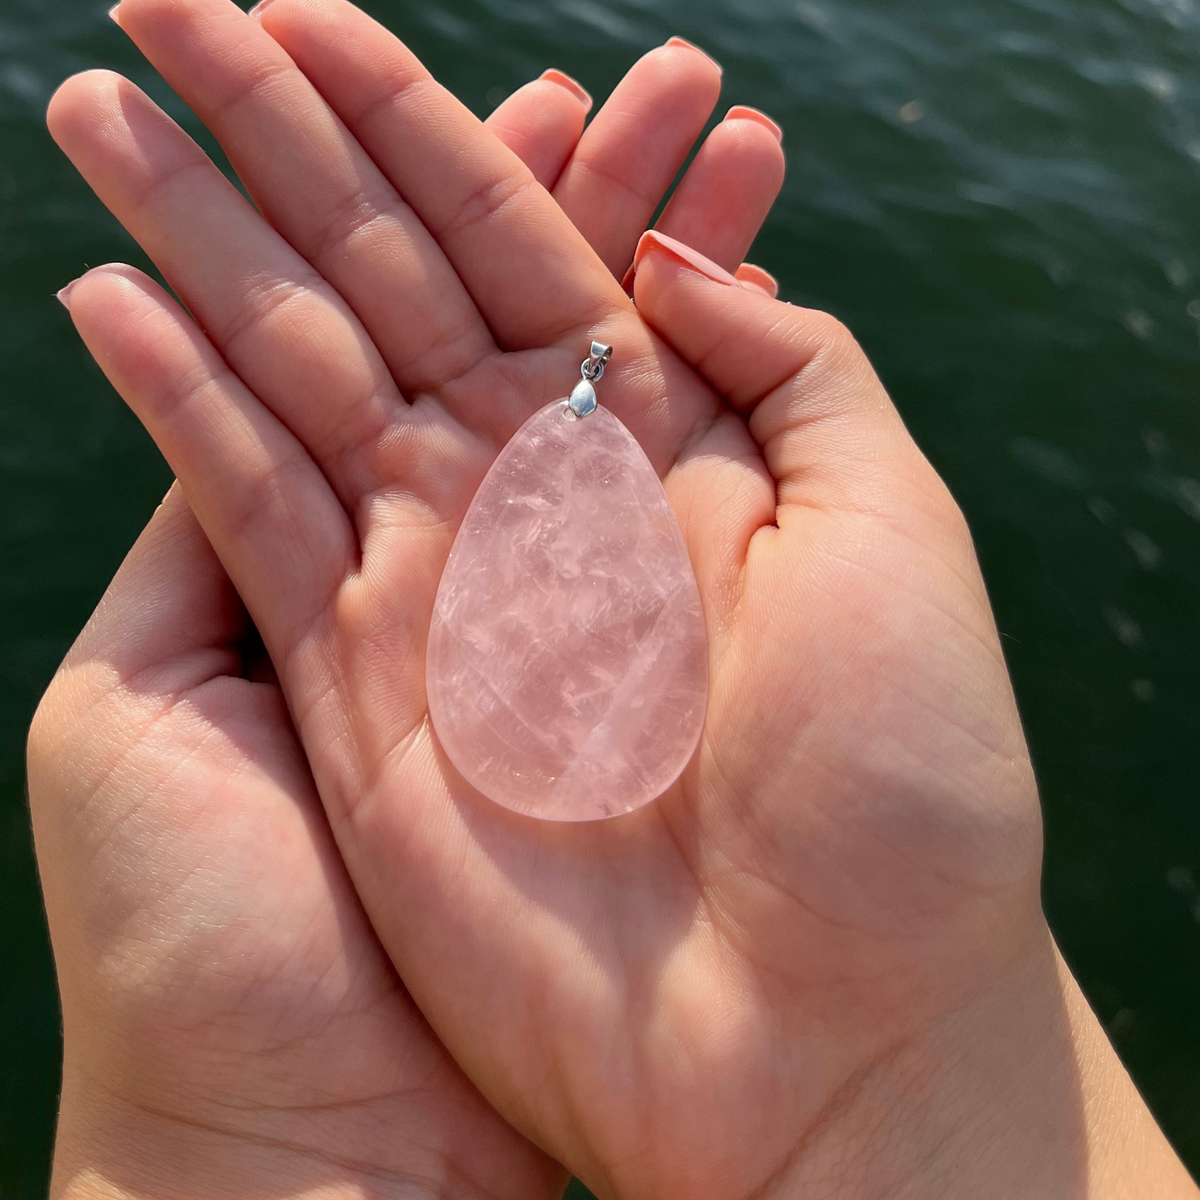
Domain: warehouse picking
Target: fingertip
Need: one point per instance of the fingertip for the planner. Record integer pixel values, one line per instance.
(750, 150)
(680, 43)
(563, 80)
(541, 123)
(63, 97)
(130, 325)
(665, 275)
(742, 112)
(104, 293)
(727, 191)
(110, 270)
(664, 270)
(75, 100)
(758, 279)
(681, 68)
(654, 242)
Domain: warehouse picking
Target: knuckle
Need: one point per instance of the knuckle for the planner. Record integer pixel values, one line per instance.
(262, 302)
(253, 88)
(265, 496)
(834, 348)
(184, 394)
(156, 194)
(344, 222)
(488, 200)
(830, 332)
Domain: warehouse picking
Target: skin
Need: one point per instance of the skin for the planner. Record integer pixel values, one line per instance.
(233, 1026)
(818, 965)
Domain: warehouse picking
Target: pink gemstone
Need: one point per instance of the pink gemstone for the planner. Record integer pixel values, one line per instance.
(567, 669)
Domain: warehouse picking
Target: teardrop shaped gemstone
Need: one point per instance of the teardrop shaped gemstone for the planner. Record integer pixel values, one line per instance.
(567, 669)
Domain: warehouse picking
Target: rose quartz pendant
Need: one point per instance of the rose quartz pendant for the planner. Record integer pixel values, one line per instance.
(567, 668)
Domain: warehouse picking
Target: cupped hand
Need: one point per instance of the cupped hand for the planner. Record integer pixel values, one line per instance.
(818, 964)
(232, 1024)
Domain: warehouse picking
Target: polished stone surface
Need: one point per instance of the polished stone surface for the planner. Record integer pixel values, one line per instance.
(567, 664)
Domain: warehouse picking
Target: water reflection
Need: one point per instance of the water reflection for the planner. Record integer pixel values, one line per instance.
(999, 197)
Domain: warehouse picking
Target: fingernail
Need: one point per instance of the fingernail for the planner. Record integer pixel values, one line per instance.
(755, 277)
(653, 240)
(740, 112)
(112, 13)
(627, 282)
(565, 81)
(64, 294)
(678, 41)
(257, 10)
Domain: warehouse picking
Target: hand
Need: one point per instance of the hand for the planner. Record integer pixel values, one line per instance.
(229, 1016)
(231, 1020)
(816, 966)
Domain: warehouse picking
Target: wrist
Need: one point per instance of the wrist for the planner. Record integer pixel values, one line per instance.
(111, 1148)
(1017, 1094)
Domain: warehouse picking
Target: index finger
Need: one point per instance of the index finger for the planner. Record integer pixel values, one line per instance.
(529, 271)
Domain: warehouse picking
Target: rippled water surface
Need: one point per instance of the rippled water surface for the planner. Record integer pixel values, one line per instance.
(1000, 197)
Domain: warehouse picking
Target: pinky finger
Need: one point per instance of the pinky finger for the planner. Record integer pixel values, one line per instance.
(541, 123)
(263, 503)
(727, 192)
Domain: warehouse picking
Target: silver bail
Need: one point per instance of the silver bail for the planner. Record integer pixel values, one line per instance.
(583, 399)
(597, 360)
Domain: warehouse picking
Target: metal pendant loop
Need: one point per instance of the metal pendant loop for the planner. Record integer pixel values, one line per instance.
(583, 399)
(593, 368)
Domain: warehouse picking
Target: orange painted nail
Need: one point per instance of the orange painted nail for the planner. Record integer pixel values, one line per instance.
(686, 45)
(653, 240)
(757, 278)
(741, 112)
(554, 75)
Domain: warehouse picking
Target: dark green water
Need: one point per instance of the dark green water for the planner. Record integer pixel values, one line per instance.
(1000, 197)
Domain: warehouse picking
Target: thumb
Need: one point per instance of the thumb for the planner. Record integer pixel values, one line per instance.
(827, 430)
(171, 615)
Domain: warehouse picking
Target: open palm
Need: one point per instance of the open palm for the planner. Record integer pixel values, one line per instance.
(224, 992)
(734, 992)
(245, 998)
(670, 1002)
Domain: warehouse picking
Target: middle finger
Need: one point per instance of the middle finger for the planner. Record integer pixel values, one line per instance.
(316, 185)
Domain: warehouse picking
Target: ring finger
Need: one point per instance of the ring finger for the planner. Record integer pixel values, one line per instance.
(610, 180)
